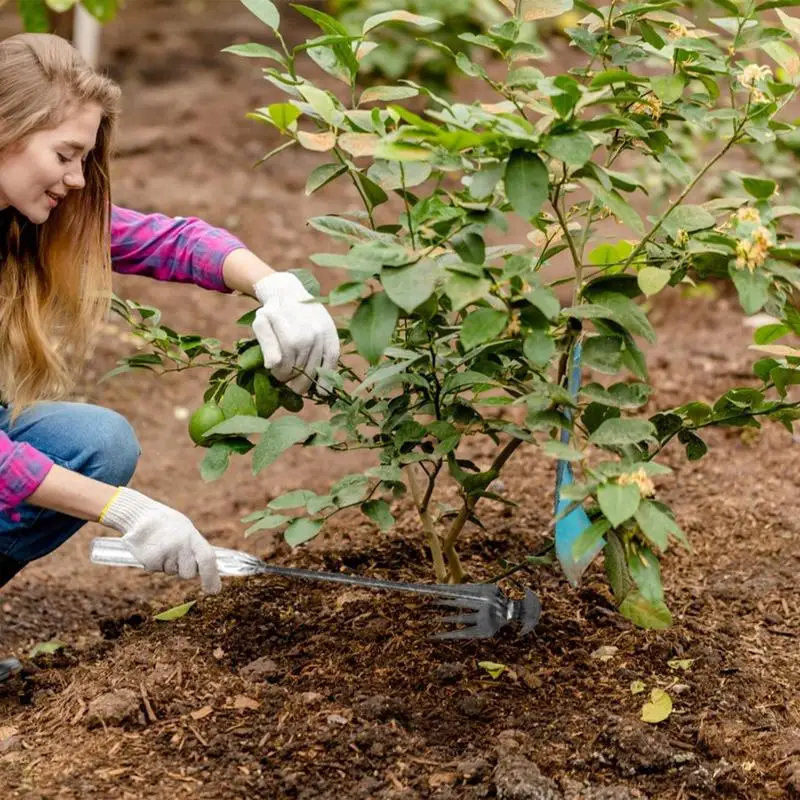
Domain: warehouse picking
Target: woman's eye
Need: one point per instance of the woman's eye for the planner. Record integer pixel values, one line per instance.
(63, 159)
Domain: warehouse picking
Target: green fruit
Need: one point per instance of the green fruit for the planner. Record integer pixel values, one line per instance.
(204, 419)
(290, 400)
(268, 398)
(252, 358)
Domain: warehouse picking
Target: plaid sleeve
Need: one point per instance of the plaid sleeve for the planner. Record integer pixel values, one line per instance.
(22, 469)
(184, 250)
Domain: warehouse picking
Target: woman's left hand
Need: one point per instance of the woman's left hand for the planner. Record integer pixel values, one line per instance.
(297, 334)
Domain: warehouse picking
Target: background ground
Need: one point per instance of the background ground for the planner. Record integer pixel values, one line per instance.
(275, 689)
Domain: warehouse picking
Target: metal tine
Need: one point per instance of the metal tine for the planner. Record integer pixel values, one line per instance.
(475, 632)
(461, 619)
(459, 602)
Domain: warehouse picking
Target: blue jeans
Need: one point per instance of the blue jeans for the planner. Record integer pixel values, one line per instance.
(91, 440)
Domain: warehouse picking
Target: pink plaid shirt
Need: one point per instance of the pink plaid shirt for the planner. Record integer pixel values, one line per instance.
(184, 250)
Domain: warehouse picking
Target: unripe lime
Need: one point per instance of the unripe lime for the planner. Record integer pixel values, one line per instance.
(290, 400)
(204, 419)
(268, 398)
(251, 358)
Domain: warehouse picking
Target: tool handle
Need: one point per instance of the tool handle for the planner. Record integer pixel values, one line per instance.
(111, 551)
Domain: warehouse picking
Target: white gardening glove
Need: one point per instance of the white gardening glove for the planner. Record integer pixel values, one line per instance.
(161, 538)
(294, 334)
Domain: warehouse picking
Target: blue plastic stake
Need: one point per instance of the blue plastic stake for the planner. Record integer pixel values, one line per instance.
(569, 529)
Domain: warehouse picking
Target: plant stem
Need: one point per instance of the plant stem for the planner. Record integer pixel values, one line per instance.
(470, 502)
(407, 206)
(357, 184)
(427, 525)
(652, 232)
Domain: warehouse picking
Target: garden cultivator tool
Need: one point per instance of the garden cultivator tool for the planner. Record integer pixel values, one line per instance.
(484, 608)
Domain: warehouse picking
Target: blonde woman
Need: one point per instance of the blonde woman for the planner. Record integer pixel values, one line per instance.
(63, 463)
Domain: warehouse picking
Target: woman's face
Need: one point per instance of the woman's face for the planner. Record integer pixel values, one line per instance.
(36, 176)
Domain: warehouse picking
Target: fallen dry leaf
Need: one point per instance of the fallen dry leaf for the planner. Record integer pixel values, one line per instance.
(201, 712)
(242, 701)
(6, 732)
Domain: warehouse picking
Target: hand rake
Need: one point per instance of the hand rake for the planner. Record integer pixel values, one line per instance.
(485, 609)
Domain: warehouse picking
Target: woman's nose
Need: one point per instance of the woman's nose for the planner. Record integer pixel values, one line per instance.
(75, 180)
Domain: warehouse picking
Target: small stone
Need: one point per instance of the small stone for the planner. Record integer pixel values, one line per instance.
(473, 770)
(450, 672)
(518, 778)
(473, 705)
(310, 698)
(261, 669)
(380, 708)
(336, 719)
(773, 619)
(113, 708)
(605, 653)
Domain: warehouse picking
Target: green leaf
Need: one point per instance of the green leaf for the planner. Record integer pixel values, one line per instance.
(752, 288)
(426, 23)
(239, 425)
(610, 255)
(321, 102)
(388, 93)
(322, 176)
(253, 50)
(603, 353)
(495, 670)
(526, 182)
(410, 286)
(350, 489)
(659, 707)
(267, 522)
(538, 348)
(585, 543)
(641, 612)
(34, 16)
(615, 204)
(481, 326)
(265, 11)
(464, 289)
(301, 530)
(283, 433)
(530, 10)
(617, 502)
(667, 88)
(176, 612)
(767, 334)
(574, 148)
(626, 312)
(611, 76)
(378, 511)
(652, 280)
(373, 324)
(283, 115)
(689, 219)
(646, 572)
(657, 526)
(215, 461)
(556, 449)
(294, 499)
(46, 648)
(760, 188)
(346, 229)
(620, 431)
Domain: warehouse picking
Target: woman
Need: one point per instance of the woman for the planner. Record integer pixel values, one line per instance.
(61, 463)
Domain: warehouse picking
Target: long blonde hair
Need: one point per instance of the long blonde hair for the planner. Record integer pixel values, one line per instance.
(55, 278)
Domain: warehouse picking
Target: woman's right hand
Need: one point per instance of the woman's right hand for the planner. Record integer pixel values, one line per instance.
(161, 538)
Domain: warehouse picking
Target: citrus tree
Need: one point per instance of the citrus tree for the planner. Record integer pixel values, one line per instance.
(461, 337)
(36, 14)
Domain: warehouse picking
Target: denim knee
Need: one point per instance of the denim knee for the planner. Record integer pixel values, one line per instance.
(116, 448)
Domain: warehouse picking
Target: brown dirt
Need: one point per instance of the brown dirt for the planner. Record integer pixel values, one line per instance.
(275, 689)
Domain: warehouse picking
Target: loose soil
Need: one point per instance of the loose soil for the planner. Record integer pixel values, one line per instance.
(280, 689)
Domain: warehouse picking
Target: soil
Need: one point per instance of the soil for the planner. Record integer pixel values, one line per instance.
(280, 689)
